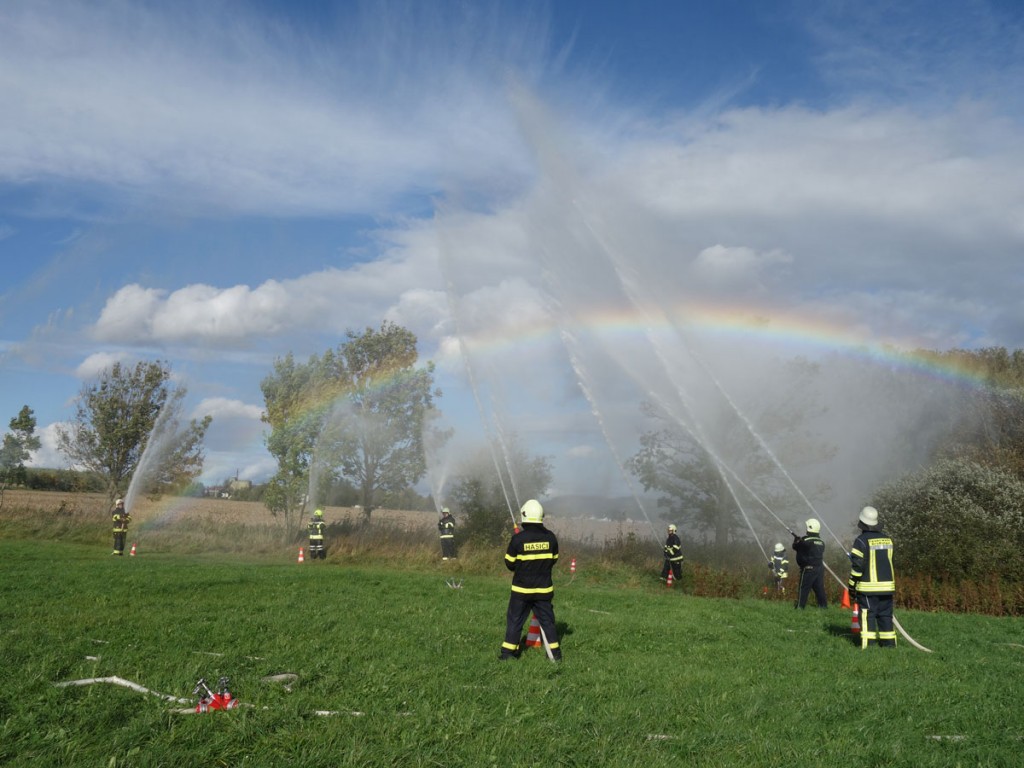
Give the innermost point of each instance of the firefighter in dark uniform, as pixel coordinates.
(316, 529)
(446, 531)
(531, 554)
(121, 519)
(872, 581)
(779, 566)
(810, 558)
(673, 555)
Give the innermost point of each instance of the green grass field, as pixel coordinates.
(407, 669)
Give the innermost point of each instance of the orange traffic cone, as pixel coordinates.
(855, 621)
(132, 553)
(302, 555)
(668, 581)
(572, 566)
(533, 639)
(844, 602)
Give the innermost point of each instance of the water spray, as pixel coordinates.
(582, 381)
(471, 376)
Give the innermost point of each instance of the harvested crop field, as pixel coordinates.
(185, 512)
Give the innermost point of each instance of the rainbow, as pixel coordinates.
(804, 333)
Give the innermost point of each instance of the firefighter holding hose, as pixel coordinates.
(810, 557)
(779, 567)
(121, 519)
(531, 555)
(316, 528)
(673, 550)
(446, 532)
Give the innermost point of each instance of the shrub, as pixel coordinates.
(956, 521)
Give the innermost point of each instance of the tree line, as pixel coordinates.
(351, 425)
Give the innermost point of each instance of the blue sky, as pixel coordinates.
(217, 184)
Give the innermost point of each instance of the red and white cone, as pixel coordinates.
(533, 639)
(132, 553)
(302, 555)
(668, 581)
(572, 566)
(855, 620)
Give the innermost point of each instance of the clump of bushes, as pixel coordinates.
(956, 521)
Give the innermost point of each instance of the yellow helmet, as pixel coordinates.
(318, 513)
(672, 528)
(532, 512)
(813, 526)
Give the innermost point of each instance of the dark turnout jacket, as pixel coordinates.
(810, 551)
(531, 555)
(871, 568)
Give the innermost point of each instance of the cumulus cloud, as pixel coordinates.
(48, 455)
(98, 362)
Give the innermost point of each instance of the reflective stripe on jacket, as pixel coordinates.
(780, 566)
(531, 555)
(673, 549)
(871, 568)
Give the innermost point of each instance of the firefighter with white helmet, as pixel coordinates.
(673, 550)
(810, 558)
(121, 519)
(778, 564)
(872, 581)
(446, 532)
(531, 554)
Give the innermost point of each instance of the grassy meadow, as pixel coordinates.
(393, 667)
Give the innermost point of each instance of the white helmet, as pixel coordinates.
(813, 526)
(672, 528)
(779, 547)
(444, 510)
(119, 502)
(869, 516)
(532, 512)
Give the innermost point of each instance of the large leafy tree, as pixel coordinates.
(355, 414)
(124, 412)
(483, 490)
(17, 448)
(990, 428)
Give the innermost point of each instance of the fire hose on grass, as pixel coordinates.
(895, 623)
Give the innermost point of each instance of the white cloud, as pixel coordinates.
(225, 408)
(220, 109)
(48, 455)
(97, 363)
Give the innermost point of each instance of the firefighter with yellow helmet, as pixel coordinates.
(872, 581)
(673, 550)
(531, 554)
(810, 558)
(316, 528)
